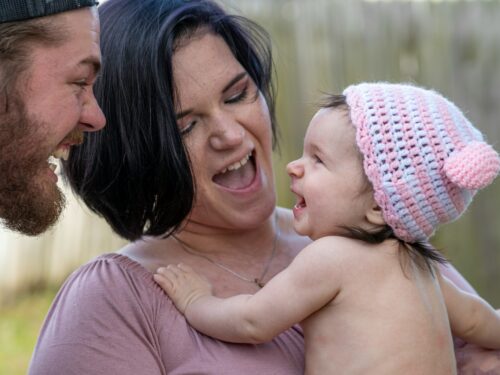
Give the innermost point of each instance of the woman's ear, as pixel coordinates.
(374, 215)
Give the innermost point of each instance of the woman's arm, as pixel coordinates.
(101, 322)
(471, 359)
(471, 317)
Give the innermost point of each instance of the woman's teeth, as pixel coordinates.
(237, 165)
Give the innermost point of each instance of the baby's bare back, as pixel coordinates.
(382, 321)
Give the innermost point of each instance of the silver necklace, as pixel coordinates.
(257, 280)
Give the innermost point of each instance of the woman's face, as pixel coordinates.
(227, 131)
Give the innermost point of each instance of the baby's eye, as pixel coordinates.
(317, 159)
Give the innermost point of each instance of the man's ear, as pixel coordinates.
(374, 215)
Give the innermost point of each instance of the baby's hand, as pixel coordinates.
(182, 284)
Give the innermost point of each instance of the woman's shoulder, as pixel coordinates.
(148, 252)
(114, 278)
(112, 264)
(108, 311)
(111, 289)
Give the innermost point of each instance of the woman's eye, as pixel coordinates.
(238, 97)
(187, 127)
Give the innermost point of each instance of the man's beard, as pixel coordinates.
(30, 202)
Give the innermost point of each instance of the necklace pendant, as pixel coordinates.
(259, 283)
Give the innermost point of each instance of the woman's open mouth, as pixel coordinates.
(239, 175)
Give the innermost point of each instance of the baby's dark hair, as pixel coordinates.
(421, 252)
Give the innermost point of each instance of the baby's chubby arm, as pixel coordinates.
(471, 317)
(302, 288)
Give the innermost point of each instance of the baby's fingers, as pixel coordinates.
(168, 277)
(164, 279)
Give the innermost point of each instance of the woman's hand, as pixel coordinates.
(474, 360)
(471, 359)
(182, 284)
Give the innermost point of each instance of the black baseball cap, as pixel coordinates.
(19, 10)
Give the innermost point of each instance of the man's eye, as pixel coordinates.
(81, 84)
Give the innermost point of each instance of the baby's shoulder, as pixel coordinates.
(344, 250)
(339, 244)
(335, 248)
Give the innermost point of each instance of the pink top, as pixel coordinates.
(110, 317)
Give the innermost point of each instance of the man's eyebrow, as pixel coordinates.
(93, 62)
(239, 77)
(236, 79)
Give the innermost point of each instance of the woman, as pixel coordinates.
(188, 96)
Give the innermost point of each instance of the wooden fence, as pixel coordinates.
(322, 46)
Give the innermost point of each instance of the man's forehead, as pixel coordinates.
(15, 10)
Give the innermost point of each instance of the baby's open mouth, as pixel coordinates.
(238, 175)
(301, 202)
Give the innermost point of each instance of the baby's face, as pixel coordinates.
(328, 180)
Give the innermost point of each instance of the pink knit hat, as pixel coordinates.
(424, 159)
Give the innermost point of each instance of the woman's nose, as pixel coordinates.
(228, 133)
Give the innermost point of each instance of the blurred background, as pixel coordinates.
(319, 46)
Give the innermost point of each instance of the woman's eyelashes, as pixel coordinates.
(186, 128)
(239, 97)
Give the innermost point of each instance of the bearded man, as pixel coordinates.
(49, 59)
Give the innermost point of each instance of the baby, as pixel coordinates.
(383, 165)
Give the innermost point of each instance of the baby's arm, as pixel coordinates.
(471, 317)
(292, 295)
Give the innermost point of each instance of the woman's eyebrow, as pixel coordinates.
(239, 77)
(180, 115)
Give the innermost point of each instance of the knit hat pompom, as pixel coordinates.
(423, 157)
(474, 167)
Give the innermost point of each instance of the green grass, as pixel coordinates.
(19, 327)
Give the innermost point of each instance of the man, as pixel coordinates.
(49, 59)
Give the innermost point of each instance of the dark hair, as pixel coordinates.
(16, 42)
(421, 252)
(135, 172)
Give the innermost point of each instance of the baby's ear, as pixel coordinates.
(374, 215)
